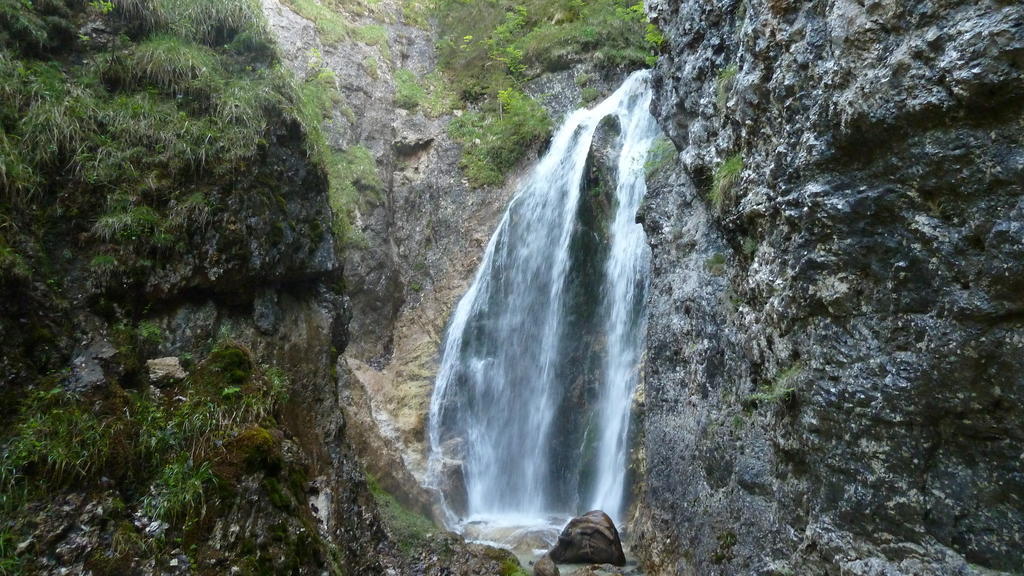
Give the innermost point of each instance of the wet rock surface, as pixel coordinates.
(589, 538)
(834, 374)
(545, 567)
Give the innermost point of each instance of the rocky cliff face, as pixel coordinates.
(836, 343)
(420, 238)
(171, 396)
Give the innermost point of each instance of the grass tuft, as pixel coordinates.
(408, 91)
(410, 530)
(180, 493)
(167, 62)
(58, 441)
(780, 391)
(331, 26)
(211, 23)
(723, 83)
(726, 176)
(661, 155)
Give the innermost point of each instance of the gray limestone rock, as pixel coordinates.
(164, 371)
(835, 367)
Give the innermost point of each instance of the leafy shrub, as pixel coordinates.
(494, 142)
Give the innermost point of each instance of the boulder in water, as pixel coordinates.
(545, 567)
(591, 538)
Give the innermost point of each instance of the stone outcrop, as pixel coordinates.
(590, 538)
(165, 370)
(836, 341)
(545, 567)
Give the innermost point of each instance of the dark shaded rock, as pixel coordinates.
(453, 485)
(545, 567)
(589, 538)
(91, 364)
(834, 371)
(266, 314)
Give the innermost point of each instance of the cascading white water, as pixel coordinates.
(626, 277)
(502, 391)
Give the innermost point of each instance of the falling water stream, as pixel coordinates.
(541, 357)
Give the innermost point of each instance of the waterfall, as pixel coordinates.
(541, 356)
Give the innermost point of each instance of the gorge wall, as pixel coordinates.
(835, 366)
(175, 305)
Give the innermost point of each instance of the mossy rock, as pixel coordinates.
(233, 363)
(253, 450)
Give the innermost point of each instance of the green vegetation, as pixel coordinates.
(150, 332)
(724, 553)
(417, 13)
(176, 455)
(661, 155)
(726, 175)
(495, 137)
(780, 391)
(410, 530)
(723, 83)
(716, 264)
(332, 25)
(374, 35)
(353, 181)
(590, 95)
(10, 564)
(489, 48)
(352, 173)
(750, 246)
(408, 92)
(57, 441)
(511, 567)
(429, 94)
(180, 492)
(136, 144)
